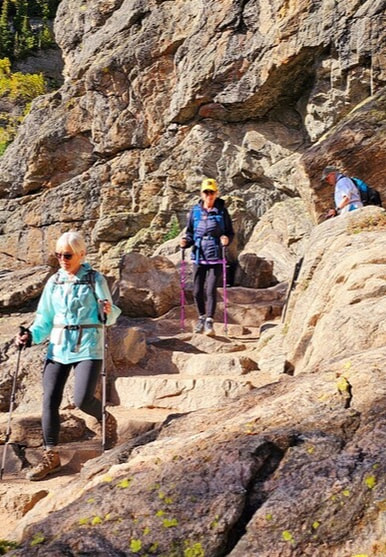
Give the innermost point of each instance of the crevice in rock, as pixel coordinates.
(148, 437)
(289, 368)
(237, 23)
(345, 391)
(268, 457)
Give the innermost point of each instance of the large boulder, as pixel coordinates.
(278, 239)
(344, 261)
(19, 288)
(149, 286)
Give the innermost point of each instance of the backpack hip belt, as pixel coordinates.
(78, 328)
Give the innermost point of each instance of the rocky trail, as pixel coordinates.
(179, 372)
(268, 441)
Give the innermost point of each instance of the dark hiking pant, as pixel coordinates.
(212, 274)
(55, 376)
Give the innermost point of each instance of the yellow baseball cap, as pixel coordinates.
(209, 184)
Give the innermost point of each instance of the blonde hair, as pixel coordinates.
(74, 240)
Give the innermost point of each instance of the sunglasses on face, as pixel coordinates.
(208, 192)
(66, 256)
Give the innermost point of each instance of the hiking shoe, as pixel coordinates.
(200, 325)
(50, 463)
(111, 436)
(208, 329)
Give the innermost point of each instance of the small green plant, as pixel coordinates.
(194, 550)
(169, 522)
(124, 484)
(37, 539)
(6, 545)
(135, 546)
(174, 230)
(287, 536)
(370, 481)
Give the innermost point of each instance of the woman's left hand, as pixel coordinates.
(106, 306)
(224, 240)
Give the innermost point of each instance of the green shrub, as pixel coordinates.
(21, 89)
(6, 545)
(18, 86)
(174, 230)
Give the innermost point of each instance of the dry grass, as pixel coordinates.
(368, 223)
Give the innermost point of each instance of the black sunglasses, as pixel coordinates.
(66, 256)
(208, 192)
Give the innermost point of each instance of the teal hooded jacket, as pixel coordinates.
(72, 303)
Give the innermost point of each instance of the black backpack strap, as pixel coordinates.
(89, 279)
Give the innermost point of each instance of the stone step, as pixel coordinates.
(72, 455)
(26, 434)
(246, 307)
(182, 393)
(203, 365)
(14, 459)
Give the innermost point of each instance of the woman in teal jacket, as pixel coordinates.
(68, 314)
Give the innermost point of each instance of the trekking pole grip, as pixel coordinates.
(24, 331)
(101, 311)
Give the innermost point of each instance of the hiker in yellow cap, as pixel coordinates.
(209, 228)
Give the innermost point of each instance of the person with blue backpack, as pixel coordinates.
(209, 231)
(347, 196)
(69, 315)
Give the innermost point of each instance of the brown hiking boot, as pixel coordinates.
(50, 463)
(111, 436)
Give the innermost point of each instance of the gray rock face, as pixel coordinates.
(156, 95)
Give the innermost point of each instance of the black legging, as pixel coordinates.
(212, 274)
(55, 376)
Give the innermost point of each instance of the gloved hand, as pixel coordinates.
(24, 337)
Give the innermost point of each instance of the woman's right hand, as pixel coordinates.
(23, 338)
(183, 243)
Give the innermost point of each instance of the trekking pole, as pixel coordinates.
(11, 404)
(182, 290)
(103, 318)
(291, 286)
(224, 287)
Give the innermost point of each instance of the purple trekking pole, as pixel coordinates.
(182, 290)
(224, 286)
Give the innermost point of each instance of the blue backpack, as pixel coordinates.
(207, 232)
(369, 196)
